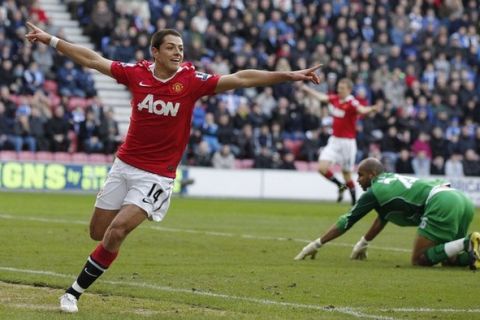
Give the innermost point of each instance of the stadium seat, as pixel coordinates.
(247, 163)
(302, 166)
(74, 102)
(98, 158)
(55, 100)
(45, 156)
(63, 157)
(15, 99)
(110, 158)
(8, 155)
(293, 145)
(80, 157)
(73, 141)
(26, 156)
(313, 166)
(238, 164)
(50, 86)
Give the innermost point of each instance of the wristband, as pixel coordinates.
(53, 42)
(363, 241)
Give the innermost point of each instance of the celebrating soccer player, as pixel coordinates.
(341, 147)
(139, 185)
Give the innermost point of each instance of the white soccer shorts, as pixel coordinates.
(341, 151)
(129, 185)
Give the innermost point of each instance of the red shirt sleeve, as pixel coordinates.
(204, 84)
(120, 71)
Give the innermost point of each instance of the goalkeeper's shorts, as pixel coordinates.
(447, 216)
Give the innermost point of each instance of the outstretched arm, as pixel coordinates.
(81, 55)
(322, 97)
(261, 78)
(367, 109)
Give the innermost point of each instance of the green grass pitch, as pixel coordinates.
(220, 259)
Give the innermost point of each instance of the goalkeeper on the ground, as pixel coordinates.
(442, 215)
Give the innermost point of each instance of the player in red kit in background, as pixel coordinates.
(139, 184)
(341, 147)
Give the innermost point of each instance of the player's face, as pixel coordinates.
(364, 178)
(170, 54)
(343, 89)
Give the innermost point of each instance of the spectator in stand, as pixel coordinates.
(202, 155)
(86, 83)
(33, 79)
(223, 158)
(110, 132)
(246, 143)
(57, 131)
(44, 59)
(89, 134)
(437, 167)
(266, 101)
(22, 135)
(288, 162)
(101, 22)
(421, 164)
(6, 129)
(264, 159)
(454, 166)
(8, 77)
(37, 129)
(471, 163)
(389, 145)
(438, 144)
(311, 145)
(263, 139)
(5, 98)
(421, 144)
(404, 163)
(465, 140)
(68, 79)
(209, 132)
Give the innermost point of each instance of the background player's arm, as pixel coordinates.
(322, 97)
(261, 78)
(366, 109)
(81, 55)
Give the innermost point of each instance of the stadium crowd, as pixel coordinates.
(417, 60)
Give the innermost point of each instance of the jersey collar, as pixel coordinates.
(152, 68)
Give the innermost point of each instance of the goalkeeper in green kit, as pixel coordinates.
(442, 215)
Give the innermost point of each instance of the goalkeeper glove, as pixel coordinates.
(359, 251)
(309, 250)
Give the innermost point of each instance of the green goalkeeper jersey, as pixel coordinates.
(396, 198)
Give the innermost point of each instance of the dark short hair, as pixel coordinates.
(372, 165)
(159, 36)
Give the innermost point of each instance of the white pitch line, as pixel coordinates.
(209, 233)
(445, 310)
(344, 310)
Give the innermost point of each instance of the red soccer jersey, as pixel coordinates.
(344, 116)
(161, 114)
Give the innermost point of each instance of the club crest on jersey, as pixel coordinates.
(177, 87)
(202, 76)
